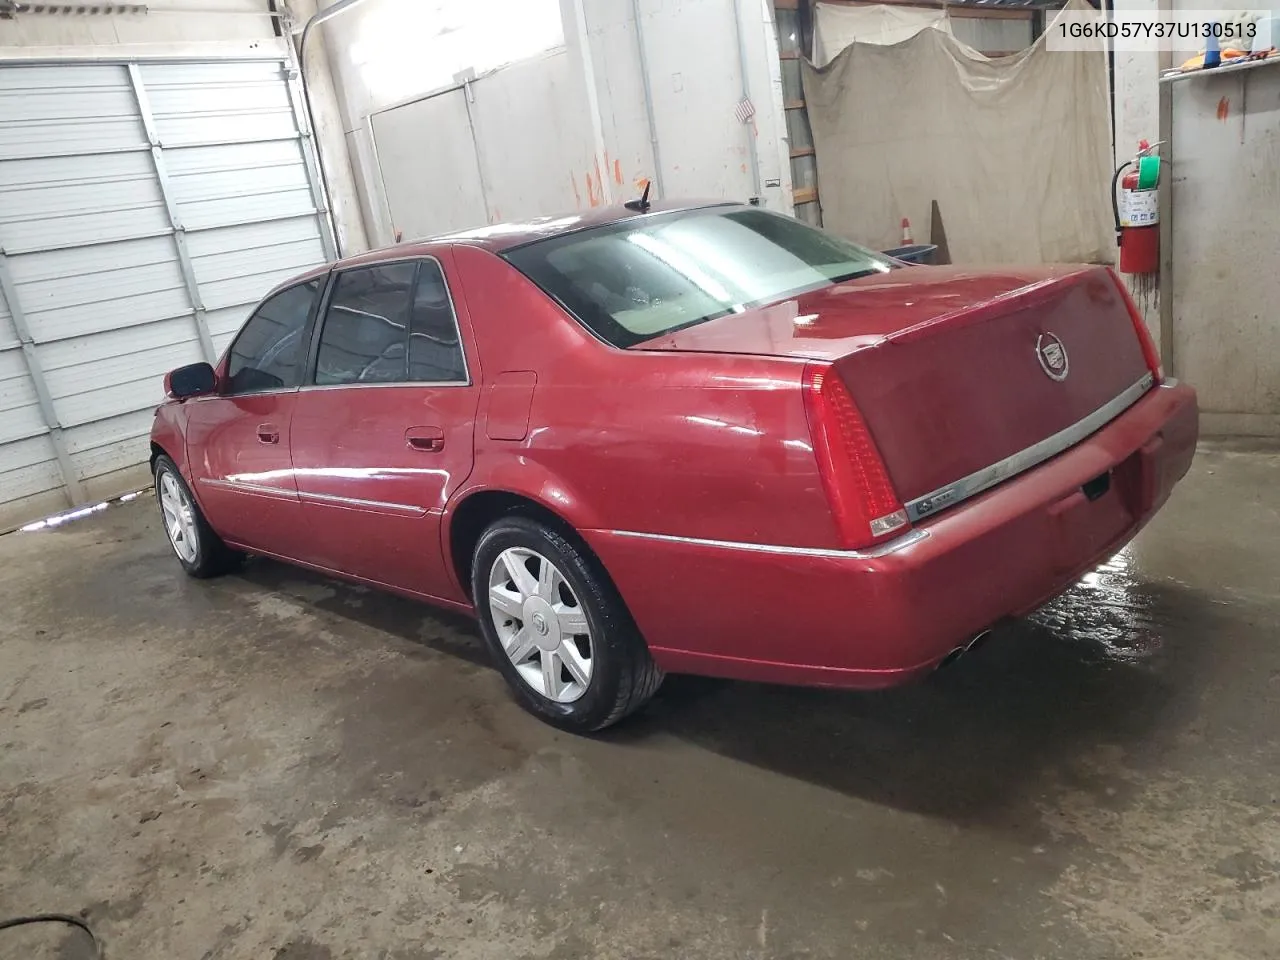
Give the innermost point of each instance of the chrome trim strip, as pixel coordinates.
(402, 384)
(891, 546)
(251, 488)
(327, 498)
(1023, 460)
(271, 392)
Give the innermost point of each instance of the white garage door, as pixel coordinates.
(144, 208)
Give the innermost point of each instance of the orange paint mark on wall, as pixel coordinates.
(1224, 108)
(617, 172)
(577, 195)
(743, 166)
(593, 195)
(640, 182)
(599, 179)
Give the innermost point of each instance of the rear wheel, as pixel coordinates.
(200, 551)
(557, 629)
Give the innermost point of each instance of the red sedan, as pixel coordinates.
(680, 439)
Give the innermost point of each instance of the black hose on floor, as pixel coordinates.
(56, 918)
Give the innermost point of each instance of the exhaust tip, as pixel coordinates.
(976, 641)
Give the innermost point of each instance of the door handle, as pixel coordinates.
(268, 433)
(427, 439)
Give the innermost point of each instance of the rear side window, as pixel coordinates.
(435, 350)
(366, 326)
(639, 278)
(269, 352)
(390, 324)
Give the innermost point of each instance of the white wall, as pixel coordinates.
(695, 76)
(344, 201)
(566, 126)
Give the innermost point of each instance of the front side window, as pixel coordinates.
(390, 324)
(638, 279)
(269, 352)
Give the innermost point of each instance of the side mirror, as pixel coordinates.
(193, 380)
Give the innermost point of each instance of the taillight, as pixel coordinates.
(863, 501)
(1149, 352)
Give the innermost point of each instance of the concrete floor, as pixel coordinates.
(278, 766)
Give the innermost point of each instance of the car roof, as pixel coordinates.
(499, 237)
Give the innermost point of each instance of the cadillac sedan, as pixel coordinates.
(697, 439)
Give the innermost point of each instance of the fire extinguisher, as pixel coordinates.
(1137, 215)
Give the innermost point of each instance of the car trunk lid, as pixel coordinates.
(954, 372)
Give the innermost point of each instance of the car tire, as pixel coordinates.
(200, 551)
(567, 626)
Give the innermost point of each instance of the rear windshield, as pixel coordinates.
(640, 278)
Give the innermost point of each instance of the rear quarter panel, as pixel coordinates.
(695, 445)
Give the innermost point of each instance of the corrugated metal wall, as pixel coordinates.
(144, 208)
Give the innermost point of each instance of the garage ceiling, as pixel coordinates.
(144, 208)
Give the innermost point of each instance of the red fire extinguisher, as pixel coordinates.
(1137, 214)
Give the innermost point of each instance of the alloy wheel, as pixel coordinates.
(541, 624)
(179, 517)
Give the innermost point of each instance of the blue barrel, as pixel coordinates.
(913, 253)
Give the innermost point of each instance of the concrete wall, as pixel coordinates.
(1137, 117)
(1137, 101)
(1226, 237)
(565, 125)
(1223, 173)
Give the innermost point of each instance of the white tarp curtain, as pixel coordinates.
(836, 26)
(1016, 151)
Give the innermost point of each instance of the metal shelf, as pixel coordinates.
(1219, 71)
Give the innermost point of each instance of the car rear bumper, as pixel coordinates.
(873, 619)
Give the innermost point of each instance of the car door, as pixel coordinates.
(383, 431)
(238, 439)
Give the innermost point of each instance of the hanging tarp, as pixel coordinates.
(836, 26)
(1015, 151)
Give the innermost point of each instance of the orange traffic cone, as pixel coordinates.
(906, 233)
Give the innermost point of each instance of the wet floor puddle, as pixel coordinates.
(1111, 611)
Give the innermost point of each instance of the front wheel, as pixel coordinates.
(200, 551)
(557, 629)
